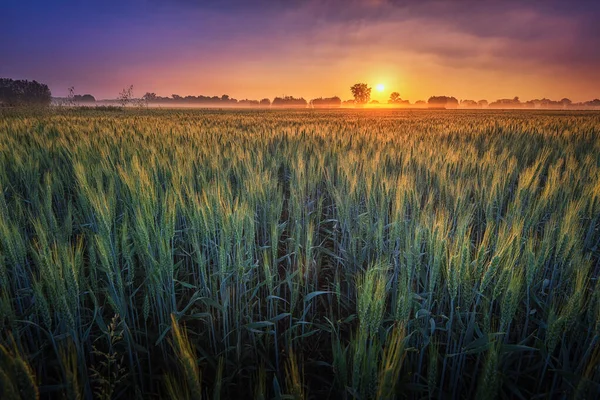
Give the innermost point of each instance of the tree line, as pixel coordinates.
(23, 92)
(362, 95)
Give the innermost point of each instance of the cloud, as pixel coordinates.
(509, 32)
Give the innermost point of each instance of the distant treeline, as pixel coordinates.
(452, 102)
(289, 101)
(86, 98)
(23, 92)
(225, 100)
(542, 103)
(209, 100)
(326, 102)
(394, 101)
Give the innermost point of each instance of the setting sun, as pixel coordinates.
(380, 87)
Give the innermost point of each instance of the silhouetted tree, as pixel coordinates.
(70, 100)
(326, 102)
(468, 103)
(73, 99)
(225, 99)
(265, 102)
(86, 98)
(442, 101)
(149, 97)
(566, 102)
(482, 103)
(289, 101)
(361, 93)
(126, 95)
(543, 103)
(23, 92)
(507, 103)
(395, 99)
(248, 103)
(593, 103)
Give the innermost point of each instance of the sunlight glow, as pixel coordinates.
(380, 87)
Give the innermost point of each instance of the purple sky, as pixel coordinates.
(254, 49)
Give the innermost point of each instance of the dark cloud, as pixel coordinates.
(557, 32)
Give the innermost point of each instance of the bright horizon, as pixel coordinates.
(469, 50)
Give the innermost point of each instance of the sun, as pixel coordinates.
(380, 87)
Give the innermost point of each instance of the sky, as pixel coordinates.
(469, 49)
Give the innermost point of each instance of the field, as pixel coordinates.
(299, 254)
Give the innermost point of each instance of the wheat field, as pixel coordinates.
(344, 254)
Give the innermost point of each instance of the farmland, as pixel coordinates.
(299, 254)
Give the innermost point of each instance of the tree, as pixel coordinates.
(70, 100)
(23, 92)
(289, 101)
(361, 93)
(73, 99)
(326, 102)
(86, 98)
(248, 103)
(482, 103)
(125, 96)
(468, 103)
(148, 97)
(566, 102)
(394, 97)
(442, 101)
(265, 102)
(507, 103)
(592, 103)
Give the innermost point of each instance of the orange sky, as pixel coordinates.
(254, 49)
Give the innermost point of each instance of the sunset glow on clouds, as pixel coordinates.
(468, 49)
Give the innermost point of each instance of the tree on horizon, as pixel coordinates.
(149, 96)
(126, 95)
(396, 99)
(289, 101)
(468, 103)
(24, 92)
(326, 102)
(361, 93)
(443, 101)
